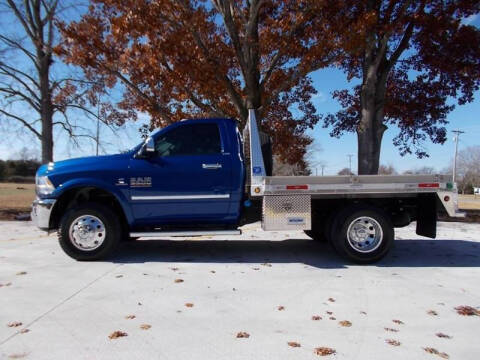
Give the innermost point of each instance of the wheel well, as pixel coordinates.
(400, 210)
(77, 196)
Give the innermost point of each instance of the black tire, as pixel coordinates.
(343, 246)
(112, 227)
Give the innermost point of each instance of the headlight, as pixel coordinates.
(43, 185)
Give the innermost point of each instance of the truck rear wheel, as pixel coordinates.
(89, 232)
(362, 234)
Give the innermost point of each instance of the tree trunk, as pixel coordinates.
(371, 128)
(46, 107)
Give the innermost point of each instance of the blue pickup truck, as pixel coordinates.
(192, 178)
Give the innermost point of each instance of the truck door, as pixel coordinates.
(187, 181)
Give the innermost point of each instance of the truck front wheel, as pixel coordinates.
(89, 232)
(362, 234)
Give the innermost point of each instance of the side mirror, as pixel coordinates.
(147, 150)
(150, 146)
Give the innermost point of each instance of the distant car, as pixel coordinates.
(476, 191)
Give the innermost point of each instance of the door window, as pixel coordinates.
(191, 139)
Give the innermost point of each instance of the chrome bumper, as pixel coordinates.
(41, 210)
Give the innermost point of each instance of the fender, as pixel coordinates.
(97, 183)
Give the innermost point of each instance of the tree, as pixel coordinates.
(345, 171)
(386, 170)
(468, 169)
(28, 84)
(424, 170)
(190, 58)
(411, 57)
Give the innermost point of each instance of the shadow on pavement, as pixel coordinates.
(406, 253)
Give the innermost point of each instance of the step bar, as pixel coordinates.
(156, 234)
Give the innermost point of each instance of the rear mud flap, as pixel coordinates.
(427, 215)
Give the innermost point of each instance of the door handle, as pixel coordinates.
(211, 166)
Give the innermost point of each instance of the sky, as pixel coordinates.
(333, 151)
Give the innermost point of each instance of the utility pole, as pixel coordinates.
(350, 162)
(323, 167)
(456, 137)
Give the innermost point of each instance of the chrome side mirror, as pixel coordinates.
(150, 146)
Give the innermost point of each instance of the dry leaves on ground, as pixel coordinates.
(324, 351)
(145, 326)
(243, 335)
(130, 317)
(267, 264)
(24, 331)
(189, 305)
(213, 271)
(442, 335)
(393, 342)
(436, 352)
(329, 312)
(255, 268)
(331, 299)
(363, 313)
(390, 329)
(293, 344)
(432, 312)
(119, 276)
(15, 324)
(466, 310)
(281, 308)
(178, 281)
(316, 317)
(332, 318)
(22, 273)
(117, 334)
(345, 323)
(399, 322)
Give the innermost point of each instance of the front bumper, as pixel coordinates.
(41, 210)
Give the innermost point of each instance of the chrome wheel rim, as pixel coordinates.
(365, 234)
(87, 233)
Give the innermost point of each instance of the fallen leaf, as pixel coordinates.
(363, 313)
(256, 268)
(390, 329)
(329, 312)
(293, 344)
(442, 335)
(145, 326)
(436, 352)
(119, 276)
(178, 280)
(213, 271)
(130, 317)
(267, 264)
(281, 308)
(24, 331)
(174, 268)
(15, 324)
(331, 299)
(17, 356)
(22, 273)
(467, 310)
(345, 323)
(432, 312)
(316, 317)
(189, 305)
(324, 351)
(243, 334)
(393, 342)
(117, 334)
(332, 318)
(399, 322)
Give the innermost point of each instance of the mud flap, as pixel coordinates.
(427, 215)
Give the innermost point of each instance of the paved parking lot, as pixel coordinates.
(190, 299)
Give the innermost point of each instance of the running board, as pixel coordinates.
(184, 233)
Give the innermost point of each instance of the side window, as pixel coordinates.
(192, 139)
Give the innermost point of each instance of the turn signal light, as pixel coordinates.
(256, 190)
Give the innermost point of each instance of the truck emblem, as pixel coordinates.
(257, 170)
(121, 181)
(141, 182)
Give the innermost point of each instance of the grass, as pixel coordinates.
(16, 196)
(469, 202)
